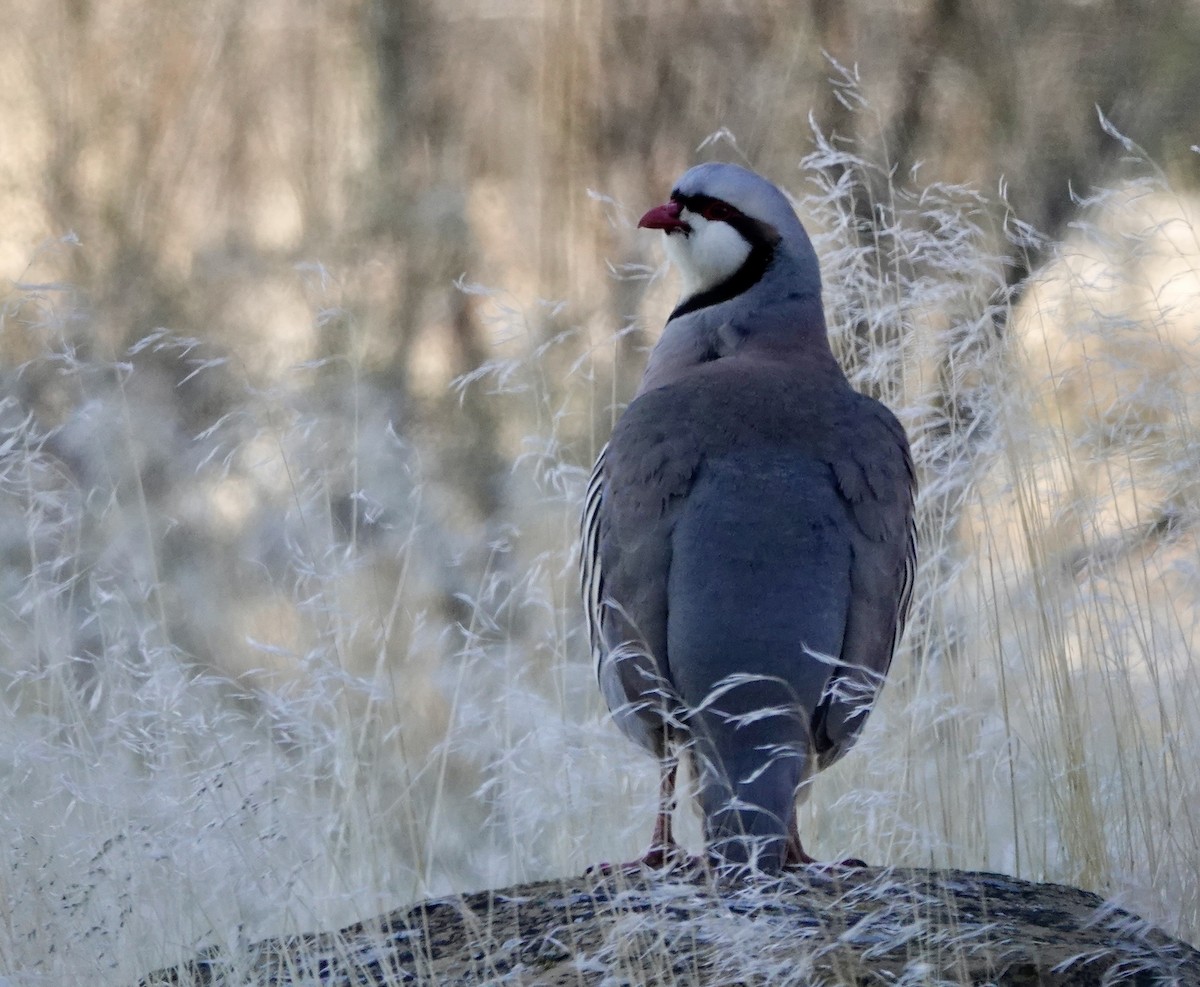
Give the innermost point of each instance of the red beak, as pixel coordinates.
(665, 218)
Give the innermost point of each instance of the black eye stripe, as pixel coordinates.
(698, 203)
(755, 232)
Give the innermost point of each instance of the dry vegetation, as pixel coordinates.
(312, 317)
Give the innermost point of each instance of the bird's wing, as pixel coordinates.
(649, 467)
(876, 481)
(640, 478)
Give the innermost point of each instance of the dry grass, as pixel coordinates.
(359, 747)
(284, 647)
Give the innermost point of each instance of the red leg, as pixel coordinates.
(664, 852)
(796, 855)
(663, 848)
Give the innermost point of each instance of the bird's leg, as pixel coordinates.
(795, 856)
(663, 848)
(664, 852)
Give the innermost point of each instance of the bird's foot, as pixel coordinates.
(670, 857)
(796, 857)
(660, 857)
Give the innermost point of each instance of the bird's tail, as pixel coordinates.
(749, 776)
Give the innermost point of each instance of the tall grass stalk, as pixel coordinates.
(263, 671)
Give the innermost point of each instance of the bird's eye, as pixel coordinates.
(718, 210)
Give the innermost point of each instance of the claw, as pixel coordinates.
(659, 857)
(664, 853)
(796, 856)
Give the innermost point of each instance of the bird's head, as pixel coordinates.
(724, 226)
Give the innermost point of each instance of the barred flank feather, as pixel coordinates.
(591, 579)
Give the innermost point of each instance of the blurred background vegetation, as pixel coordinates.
(314, 314)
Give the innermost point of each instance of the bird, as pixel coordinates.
(748, 542)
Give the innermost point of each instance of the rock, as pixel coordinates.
(818, 926)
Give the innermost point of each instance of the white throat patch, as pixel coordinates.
(710, 254)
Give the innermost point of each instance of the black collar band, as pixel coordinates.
(743, 279)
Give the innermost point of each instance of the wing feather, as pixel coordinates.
(591, 576)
